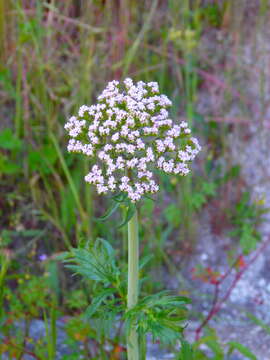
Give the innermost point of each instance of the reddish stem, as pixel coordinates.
(28, 352)
(217, 302)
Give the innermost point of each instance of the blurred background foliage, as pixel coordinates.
(58, 55)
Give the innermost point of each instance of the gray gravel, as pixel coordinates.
(249, 146)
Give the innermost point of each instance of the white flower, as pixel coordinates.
(129, 134)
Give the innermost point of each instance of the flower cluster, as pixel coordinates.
(129, 134)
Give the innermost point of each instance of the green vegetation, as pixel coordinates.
(55, 56)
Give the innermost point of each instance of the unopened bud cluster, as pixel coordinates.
(129, 135)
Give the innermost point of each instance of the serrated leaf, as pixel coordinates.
(108, 247)
(91, 309)
(160, 314)
(96, 263)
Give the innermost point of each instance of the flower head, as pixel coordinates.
(129, 134)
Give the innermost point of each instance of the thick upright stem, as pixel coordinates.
(133, 282)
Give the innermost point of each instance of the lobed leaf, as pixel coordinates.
(91, 309)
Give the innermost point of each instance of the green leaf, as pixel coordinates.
(147, 208)
(96, 263)
(149, 198)
(233, 172)
(216, 348)
(248, 240)
(6, 81)
(63, 256)
(53, 278)
(186, 352)
(198, 200)
(8, 167)
(91, 309)
(120, 197)
(259, 322)
(209, 188)
(67, 203)
(172, 215)
(109, 249)
(242, 349)
(5, 238)
(9, 141)
(160, 314)
(114, 206)
(30, 232)
(77, 299)
(212, 342)
(129, 214)
(145, 260)
(42, 160)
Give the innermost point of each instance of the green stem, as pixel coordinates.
(3, 272)
(133, 282)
